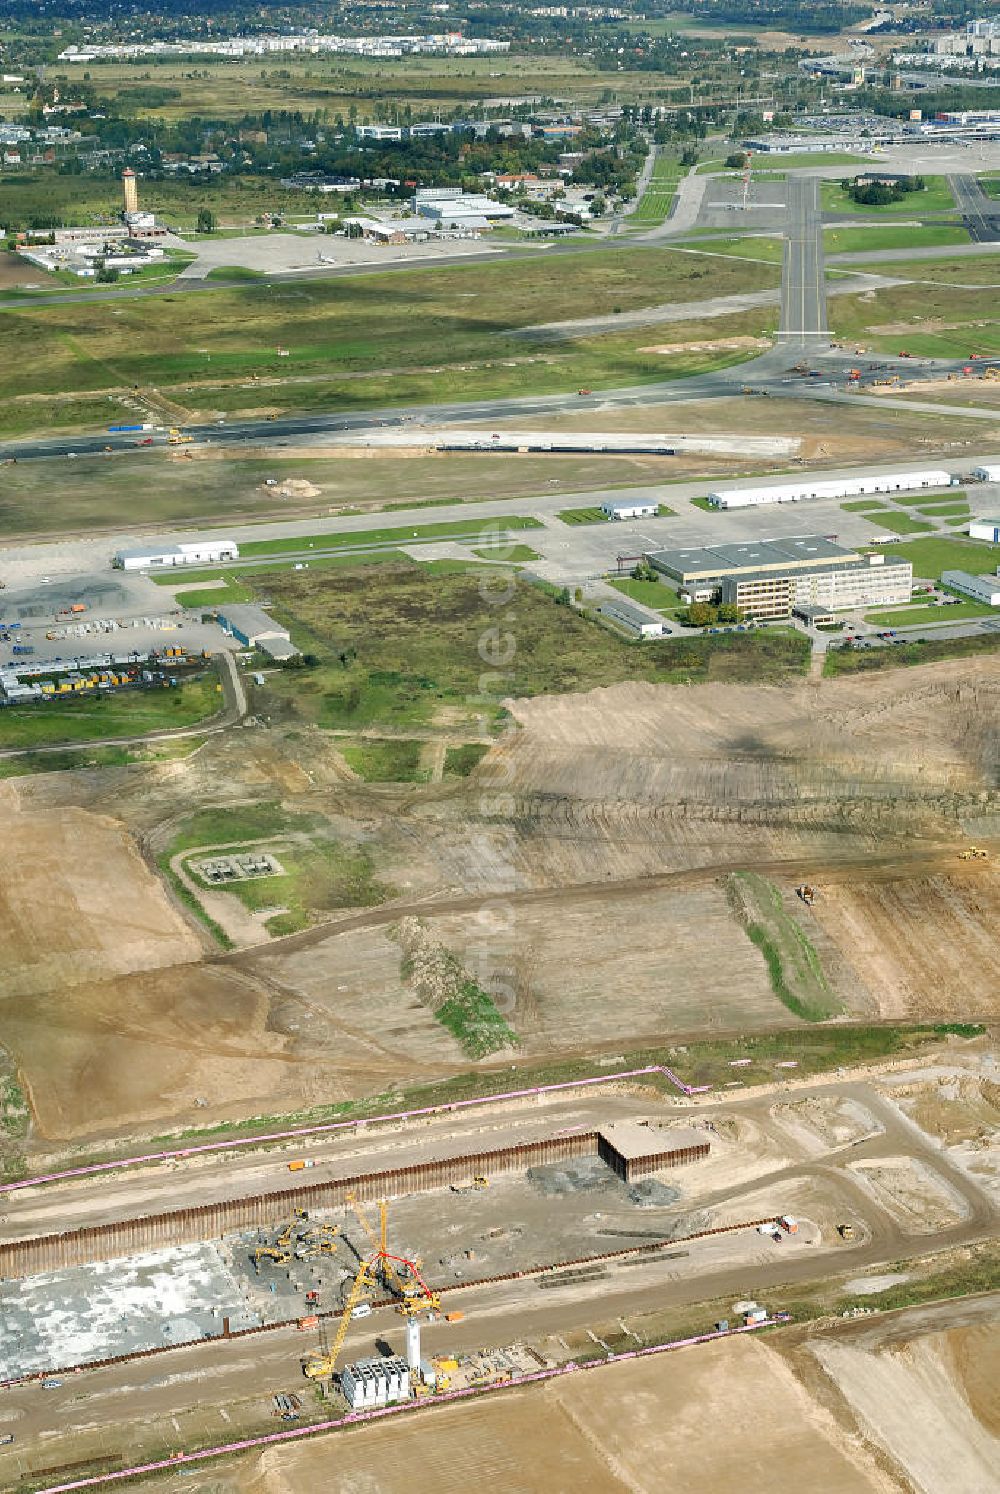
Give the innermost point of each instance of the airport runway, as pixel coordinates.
(980, 214)
(803, 286)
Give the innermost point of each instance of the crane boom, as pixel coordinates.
(378, 1242)
(321, 1366)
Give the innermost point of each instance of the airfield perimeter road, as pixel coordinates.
(981, 214)
(803, 283)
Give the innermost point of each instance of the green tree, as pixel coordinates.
(206, 220)
(702, 614)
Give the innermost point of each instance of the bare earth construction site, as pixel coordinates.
(812, 1130)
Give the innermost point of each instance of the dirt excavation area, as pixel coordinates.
(582, 878)
(632, 1427)
(924, 1392)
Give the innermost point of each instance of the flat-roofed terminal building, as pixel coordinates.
(770, 578)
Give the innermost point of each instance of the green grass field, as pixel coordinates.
(903, 617)
(914, 500)
(461, 761)
(430, 333)
(655, 202)
(574, 516)
(655, 594)
(941, 510)
(485, 530)
(133, 712)
(936, 320)
(866, 240)
(901, 523)
(864, 506)
(935, 198)
(962, 270)
(402, 647)
(929, 557)
(764, 248)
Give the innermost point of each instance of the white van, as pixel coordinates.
(363, 1310)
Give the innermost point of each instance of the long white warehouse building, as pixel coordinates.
(206, 552)
(836, 487)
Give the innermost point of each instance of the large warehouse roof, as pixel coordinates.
(715, 560)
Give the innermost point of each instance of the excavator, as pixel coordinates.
(974, 853)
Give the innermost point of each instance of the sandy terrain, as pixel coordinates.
(930, 1403)
(916, 1196)
(77, 901)
(626, 808)
(634, 1427)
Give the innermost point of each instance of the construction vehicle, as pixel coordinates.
(853, 375)
(974, 853)
(322, 1366)
(270, 1253)
(807, 893)
(845, 1231)
(478, 1185)
(179, 440)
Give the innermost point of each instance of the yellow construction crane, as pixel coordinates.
(322, 1366)
(378, 1242)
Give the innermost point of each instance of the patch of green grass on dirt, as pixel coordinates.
(29, 763)
(864, 506)
(797, 976)
(471, 1016)
(461, 761)
(386, 761)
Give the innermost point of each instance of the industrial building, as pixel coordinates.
(987, 473)
(205, 552)
(375, 1382)
(769, 579)
(452, 207)
(629, 508)
(634, 1150)
(255, 628)
(837, 487)
(985, 529)
(980, 588)
(640, 621)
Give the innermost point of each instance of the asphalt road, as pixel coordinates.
(980, 214)
(803, 285)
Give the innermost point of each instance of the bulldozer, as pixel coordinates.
(974, 853)
(807, 893)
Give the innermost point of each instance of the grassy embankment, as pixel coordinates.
(862, 661)
(812, 1049)
(358, 344)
